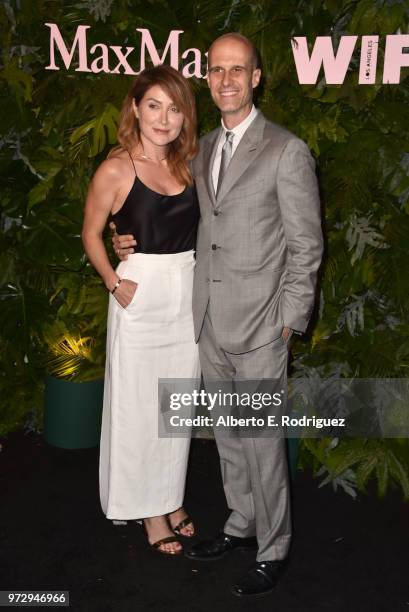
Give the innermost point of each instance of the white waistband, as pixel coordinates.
(168, 259)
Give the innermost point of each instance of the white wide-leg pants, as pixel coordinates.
(142, 475)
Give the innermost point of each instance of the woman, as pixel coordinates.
(146, 187)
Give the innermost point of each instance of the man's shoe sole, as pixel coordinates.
(282, 571)
(243, 596)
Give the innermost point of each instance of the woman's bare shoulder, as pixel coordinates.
(115, 167)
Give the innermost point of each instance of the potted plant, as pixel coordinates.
(75, 362)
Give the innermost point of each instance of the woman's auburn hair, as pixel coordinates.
(185, 146)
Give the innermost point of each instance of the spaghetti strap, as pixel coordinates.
(130, 156)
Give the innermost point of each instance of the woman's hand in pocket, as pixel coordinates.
(125, 292)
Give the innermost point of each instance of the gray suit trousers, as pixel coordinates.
(254, 470)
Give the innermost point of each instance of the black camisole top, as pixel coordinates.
(160, 224)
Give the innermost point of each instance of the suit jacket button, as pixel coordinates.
(214, 247)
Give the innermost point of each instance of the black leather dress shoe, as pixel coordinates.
(260, 580)
(220, 546)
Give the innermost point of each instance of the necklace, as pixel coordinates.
(142, 156)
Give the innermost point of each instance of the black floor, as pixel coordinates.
(346, 556)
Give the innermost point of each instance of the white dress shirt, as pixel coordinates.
(238, 132)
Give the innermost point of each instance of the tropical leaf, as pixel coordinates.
(360, 234)
(18, 80)
(352, 314)
(95, 134)
(72, 359)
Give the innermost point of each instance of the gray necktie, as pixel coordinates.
(226, 157)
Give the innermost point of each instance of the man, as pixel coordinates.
(258, 250)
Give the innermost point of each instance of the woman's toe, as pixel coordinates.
(188, 531)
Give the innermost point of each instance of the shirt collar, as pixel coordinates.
(242, 127)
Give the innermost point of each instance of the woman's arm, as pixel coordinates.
(102, 193)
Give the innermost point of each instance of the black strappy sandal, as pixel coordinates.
(167, 540)
(183, 523)
(156, 546)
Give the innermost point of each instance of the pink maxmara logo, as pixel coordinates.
(115, 59)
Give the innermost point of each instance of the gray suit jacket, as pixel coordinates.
(259, 242)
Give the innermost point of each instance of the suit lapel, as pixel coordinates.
(208, 159)
(249, 148)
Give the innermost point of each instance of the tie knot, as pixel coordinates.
(229, 136)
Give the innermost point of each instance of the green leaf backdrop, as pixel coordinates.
(57, 126)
